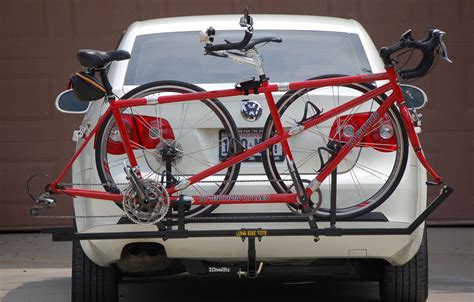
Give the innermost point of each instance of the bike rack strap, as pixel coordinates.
(68, 234)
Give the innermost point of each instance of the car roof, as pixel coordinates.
(231, 22)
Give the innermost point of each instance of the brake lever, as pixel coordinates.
(406, 36)
(207, 36)
(444, 50)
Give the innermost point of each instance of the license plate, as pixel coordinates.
(249, 137)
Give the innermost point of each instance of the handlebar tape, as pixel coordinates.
(426, 46)
(230, 46)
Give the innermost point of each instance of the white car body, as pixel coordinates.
(401, 208)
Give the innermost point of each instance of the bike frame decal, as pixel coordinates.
(282, 135)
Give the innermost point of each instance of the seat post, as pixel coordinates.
(105, 81)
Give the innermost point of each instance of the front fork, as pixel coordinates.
(410, 128)
(415, 142)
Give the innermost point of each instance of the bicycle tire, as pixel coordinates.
(216, 111)
(365, 203)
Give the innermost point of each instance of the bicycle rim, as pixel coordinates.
(368, 175)
(190, 129)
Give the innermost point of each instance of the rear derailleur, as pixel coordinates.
(44, 202)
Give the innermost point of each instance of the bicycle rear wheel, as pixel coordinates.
(368, 175)
(192, 131)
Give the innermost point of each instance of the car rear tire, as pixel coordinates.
(91, 282)
(408, 282)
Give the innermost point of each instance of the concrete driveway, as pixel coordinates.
(32, 268)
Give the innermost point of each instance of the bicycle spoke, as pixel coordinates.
(195, 185)
(357, 185)
(142, 148)
(121, 161)
(205, 148)
(183, 118)
(202, 161)
(301, 162)
(369, 170)
(201, 121)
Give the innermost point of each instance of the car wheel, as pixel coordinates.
(91, 282)
(408, 282)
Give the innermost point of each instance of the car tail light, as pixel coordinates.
(143, 132)
(381, 136)
(114, 144)
(344, 127)
(150, 129)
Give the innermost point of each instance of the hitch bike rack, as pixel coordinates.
(165, 229)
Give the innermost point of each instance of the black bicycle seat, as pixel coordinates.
(96, 58)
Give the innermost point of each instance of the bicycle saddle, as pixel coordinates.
(95, 58)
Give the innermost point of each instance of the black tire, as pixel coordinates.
(408, 282)
(215, 108)
(91, 282)
(366, 203)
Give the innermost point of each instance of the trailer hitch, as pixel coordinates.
(251, 235)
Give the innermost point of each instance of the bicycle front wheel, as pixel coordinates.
(371, 171)
(182, 138)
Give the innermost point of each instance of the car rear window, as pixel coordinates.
(301, 55)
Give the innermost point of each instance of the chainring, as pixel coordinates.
(142, 212)
(297, 208)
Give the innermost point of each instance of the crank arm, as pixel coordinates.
(298, 184)
(143, 193)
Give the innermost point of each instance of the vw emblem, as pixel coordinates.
(251, 110)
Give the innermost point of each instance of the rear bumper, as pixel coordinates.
(395, 242)
(396, 249)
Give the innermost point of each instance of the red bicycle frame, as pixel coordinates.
(282, 136)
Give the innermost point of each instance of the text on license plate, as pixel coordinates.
(249, 137)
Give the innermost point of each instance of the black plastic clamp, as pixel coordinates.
(181, 206)
(248, 85)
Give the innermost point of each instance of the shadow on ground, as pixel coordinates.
(190, 288)
(229, 290)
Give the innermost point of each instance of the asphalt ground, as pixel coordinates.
(34, 269)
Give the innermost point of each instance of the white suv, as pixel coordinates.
(169, 49)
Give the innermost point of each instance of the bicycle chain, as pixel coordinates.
(238, 217)
(202, 181)
(125, 216)
(78, 216)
